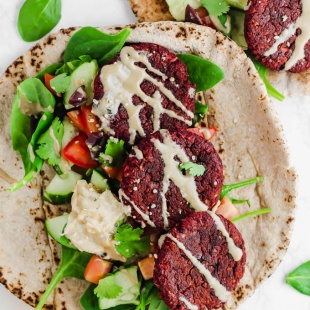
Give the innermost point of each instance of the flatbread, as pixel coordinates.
(249, 140)
(288, 83)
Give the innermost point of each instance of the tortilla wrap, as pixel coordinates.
(249, 140)
(288, 83)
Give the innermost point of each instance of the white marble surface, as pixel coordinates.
(294, 114)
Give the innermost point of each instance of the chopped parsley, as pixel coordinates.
(107, 288)
(60, 83)
(50, 143)
(193, 168)
(130, 242)
(215, 7)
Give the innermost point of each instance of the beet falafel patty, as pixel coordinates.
(161, 193)
(277, 32)
(143, 89)
(199, 262)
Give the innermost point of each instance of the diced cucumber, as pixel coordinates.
(61, 188)
(63, 166)
(127, 280)
(99, 181)
(55, 228)
(84, 75)
(177, 7)
(70, 131)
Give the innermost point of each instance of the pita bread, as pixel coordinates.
(249, 140)
(287, 83)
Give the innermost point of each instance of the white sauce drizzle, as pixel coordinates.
(188, 304)
(302, 22)
(56, 142)
(121, 80)
(219, 290)
(144, 216)
(138, 153)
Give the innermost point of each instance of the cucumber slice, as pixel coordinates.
(61, 188)
(84, 75)
(99, 181)
(70, 131)
(177, 7)
(55, 228)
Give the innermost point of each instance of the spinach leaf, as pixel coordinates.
(73, 264)
(300, 278)
(89, 301)
(262, 71)
(70, 66)
(204, 73)
(37, 18)
(51, 69)
(98, 45)
(32, 97)
(200, 111)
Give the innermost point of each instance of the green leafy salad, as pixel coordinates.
(226, 16)
(52, 122)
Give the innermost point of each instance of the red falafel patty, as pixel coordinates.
(161, 193)
(143, 89)
(277, 33)
(199, 262)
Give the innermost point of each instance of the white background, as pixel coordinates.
(294, 114)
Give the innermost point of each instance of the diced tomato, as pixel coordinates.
(113, 172)
(96, 269)
(227, 209)
(78, 152)
(207, 133)
(85, 119)
(47, 82)
(146, 266)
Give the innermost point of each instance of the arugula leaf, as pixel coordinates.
(262, 71)
(115, 150)
(89, 300)
(250, 214)
(200, 111)
(204, 73)
(215, 8)
(130, 241)
(226, 189)
(107, 288)
(300, 278)
(193, 168)
(72, 264)
(31, 95)
(60, 83)
(98, 45)
(37, 18)
(50, 143)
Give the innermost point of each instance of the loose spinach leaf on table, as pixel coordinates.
(34, 94)
(300, 278)
(204, 73)
(37, 18)
(98, 45)
(73, 264)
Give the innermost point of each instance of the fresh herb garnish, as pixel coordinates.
(215, 8)
(130, 242)
(300, 278)
(95, 43)
(60, 83)
(107, 288)
(73, 264)
(70, 66)
(204, 73)
(193, 168)
(37, 18)
(250, 214)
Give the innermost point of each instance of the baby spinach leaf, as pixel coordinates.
(73, 264)
(300, 278)
(70, 66)
(51, 69)
(89, 300)
(37, 18)
(204, 73)
(93, 42)
(200, 111)
(32, 98)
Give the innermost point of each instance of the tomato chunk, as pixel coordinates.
(227, 209)
(47, 81)
(78, 153)
(146, 266)
(96, 269)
